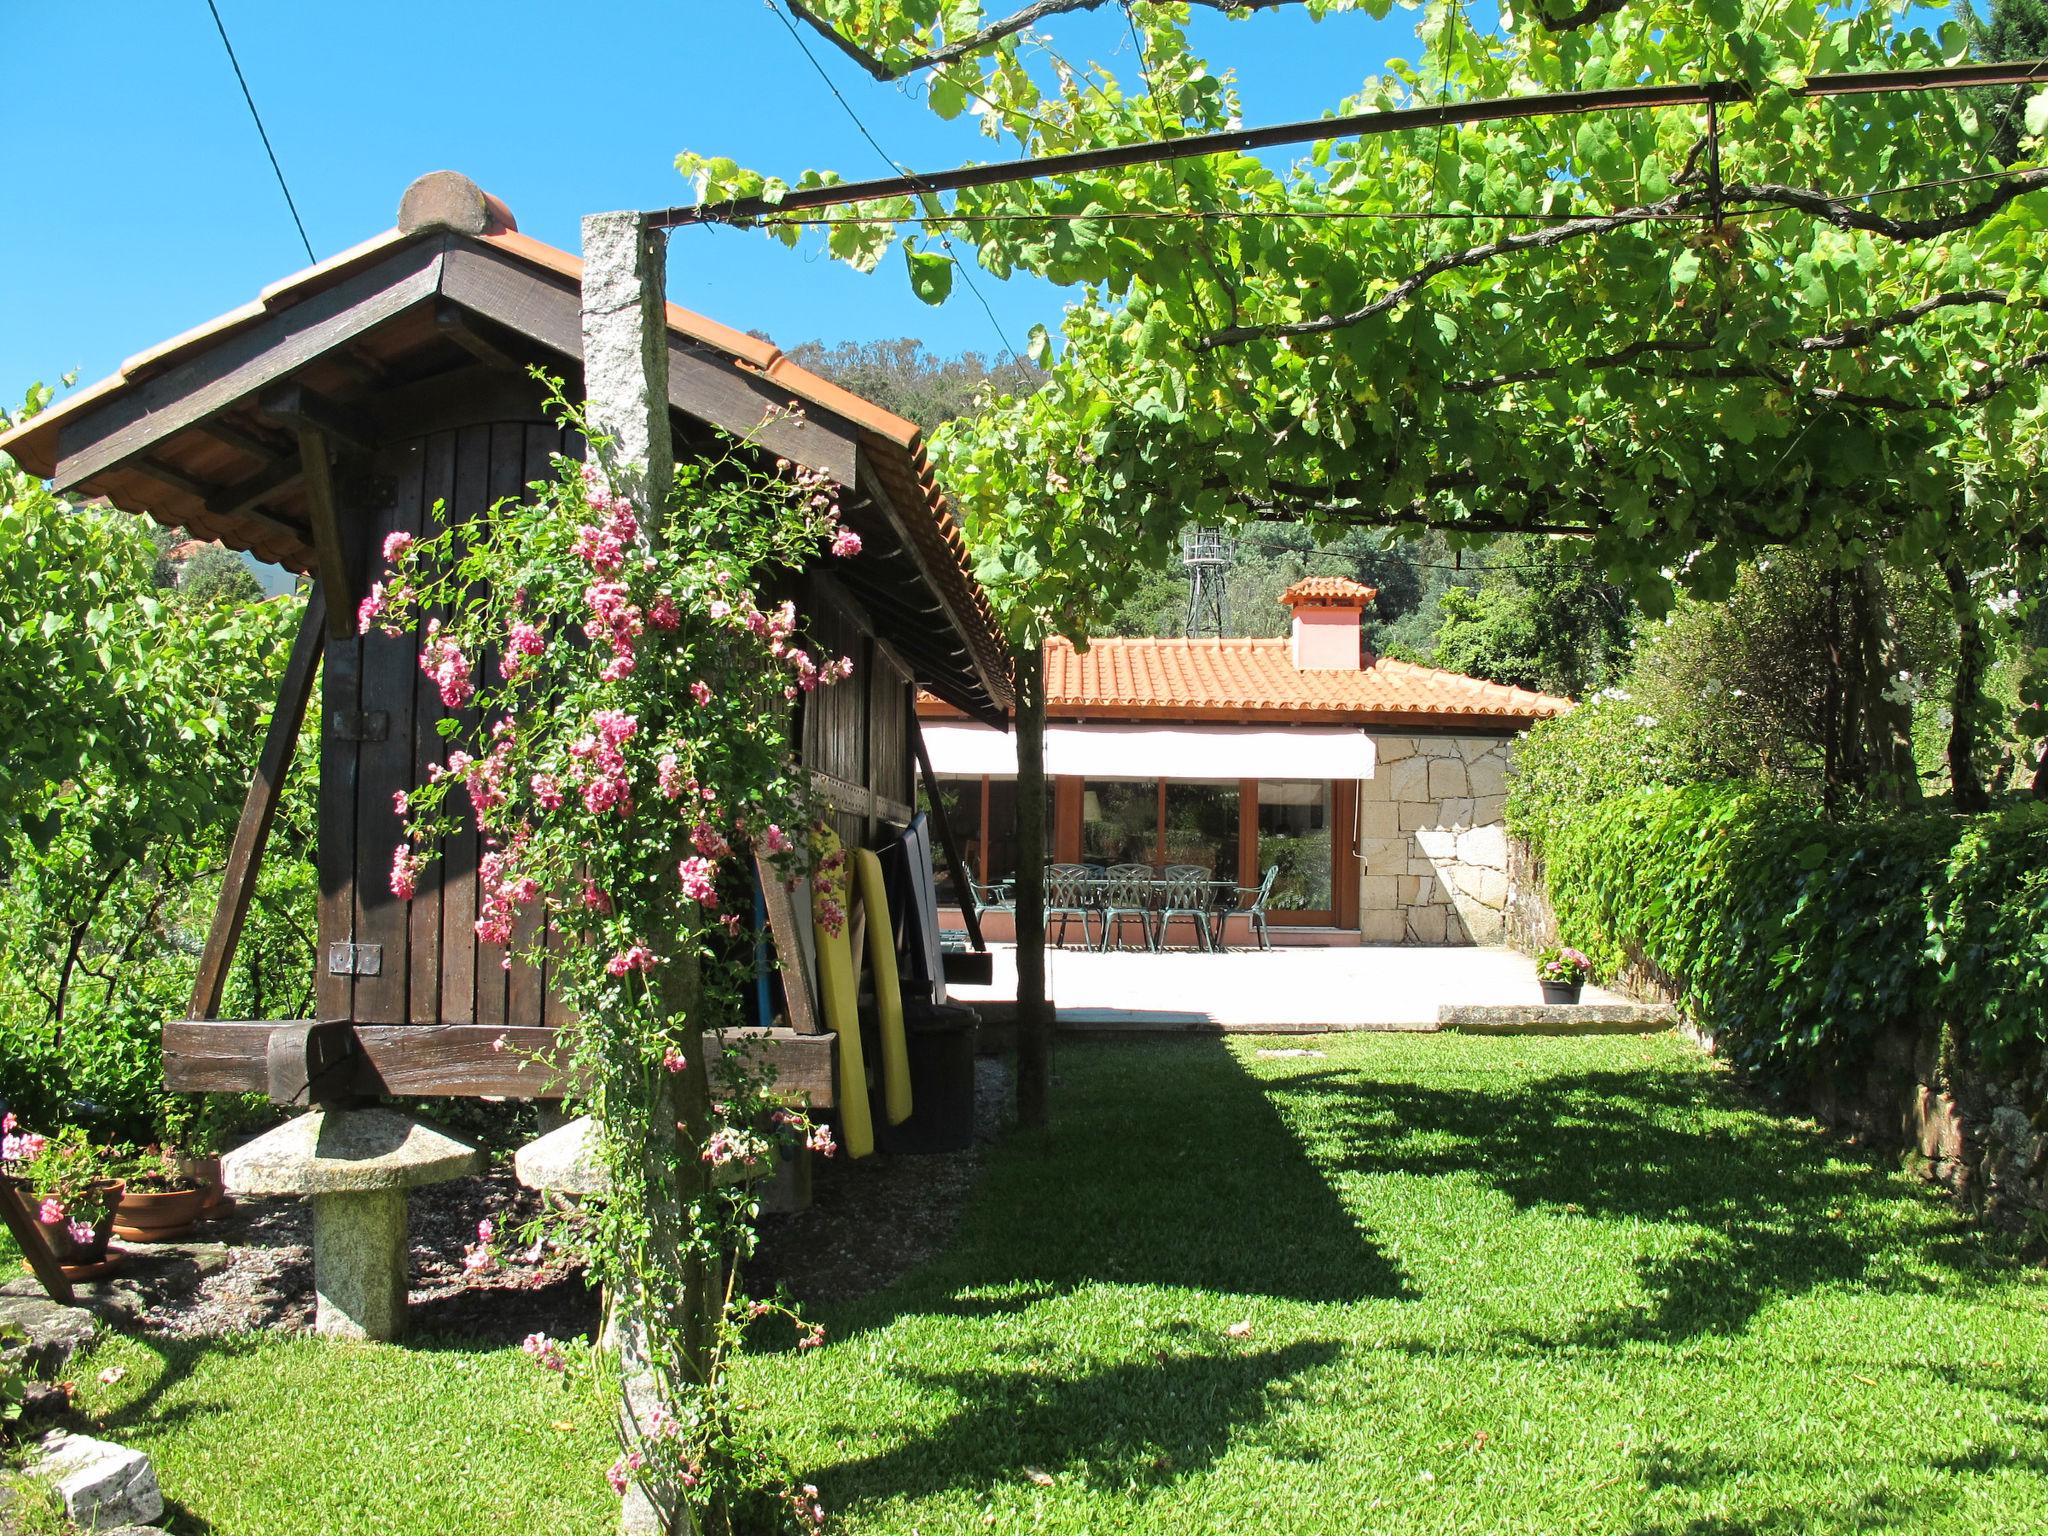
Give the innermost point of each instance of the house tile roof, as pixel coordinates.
(1257, 680)
(1329, 592)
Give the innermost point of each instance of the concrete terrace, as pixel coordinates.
(1281, 991)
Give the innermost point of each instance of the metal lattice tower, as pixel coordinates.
(1206, 552)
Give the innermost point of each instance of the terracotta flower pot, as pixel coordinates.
(158, 1215)
(82, 1261)
(1561, 991)
(205, 1171)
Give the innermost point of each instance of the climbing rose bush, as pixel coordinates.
(624, 688)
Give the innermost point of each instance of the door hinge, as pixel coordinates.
(355, 959)
(359, 725)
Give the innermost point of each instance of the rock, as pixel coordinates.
(1556, 1018)
(55, 1333)
(568, 1161)
(357, 1165)
(102, 1484)
(1447, 779)
(348, 1151)
(1408, 780)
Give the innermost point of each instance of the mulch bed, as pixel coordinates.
(869, 1223)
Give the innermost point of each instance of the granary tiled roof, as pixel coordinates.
(182, 431)
(1329, 592)
(1257, 680)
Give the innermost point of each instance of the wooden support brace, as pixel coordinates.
(259, 810)
(28, 1237)
(336, 574)
(963, 892)
(790, 959)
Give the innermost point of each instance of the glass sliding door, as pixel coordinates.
(1120, 821)
(1201, 825)
(1295, 821)
(961, 798)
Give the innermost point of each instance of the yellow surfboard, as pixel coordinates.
(841, 998)
(867, 870)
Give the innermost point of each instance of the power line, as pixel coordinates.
(890, 161)
(257, 118)
(1631, 98)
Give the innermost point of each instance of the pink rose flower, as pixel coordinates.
(395, 545)
(845, 543)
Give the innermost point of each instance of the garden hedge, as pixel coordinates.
(1800, 941)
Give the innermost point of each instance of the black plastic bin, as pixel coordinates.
(940, 1040)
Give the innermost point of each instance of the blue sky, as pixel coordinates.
(142, 203)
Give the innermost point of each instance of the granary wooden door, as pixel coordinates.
(383, 960)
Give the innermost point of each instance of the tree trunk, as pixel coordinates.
(1966, 702)
(1886, 710)
(1034, 1016)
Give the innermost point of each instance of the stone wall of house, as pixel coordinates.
(1433, 855)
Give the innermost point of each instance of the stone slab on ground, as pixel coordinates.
(55, 1333)
(1558, 1018)
(103, 1485)
(151, 1274)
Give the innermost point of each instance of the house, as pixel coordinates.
(341, 405)
(1374, 785)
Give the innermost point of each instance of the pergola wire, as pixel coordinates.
(1632, 98)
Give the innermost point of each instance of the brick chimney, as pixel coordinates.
(1327, 613)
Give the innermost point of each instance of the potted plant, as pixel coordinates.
(1562, 971)
(193, 1131)
(160, 1198)
(71, 1192)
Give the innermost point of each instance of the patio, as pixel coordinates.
(1284, 991)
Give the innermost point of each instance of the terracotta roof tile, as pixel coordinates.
(1329, 592)
(1257, 679)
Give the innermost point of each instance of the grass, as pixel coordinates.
(1492, 1285)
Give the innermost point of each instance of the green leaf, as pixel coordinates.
(931, 274)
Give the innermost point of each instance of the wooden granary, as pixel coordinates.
(340, 405)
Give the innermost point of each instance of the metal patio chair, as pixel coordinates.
(1254, 911)
(1185, 892)
(1069, 893)
(1125, 888)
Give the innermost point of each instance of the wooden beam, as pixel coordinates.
(859, 800)
(256, 443)
(546, 307)
(243, 362)
(784, 930)
(28, 1237)
(447, 1060)
(301, 408)
(336, 573)
(963, 623)
(243, 496)
(962, 891)
(259, 809)
(174, 477)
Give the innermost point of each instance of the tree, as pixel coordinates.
(1540, 617)
(905, 377)
(2017, 29)
(1683, 335)
(215, 574)
(1701, 342)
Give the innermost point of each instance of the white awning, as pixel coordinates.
(1159, 751)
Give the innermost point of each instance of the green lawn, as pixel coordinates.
(1492, 1286)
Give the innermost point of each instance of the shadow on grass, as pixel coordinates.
(1132, 1426)
(1168, 1166)
(1777, 1209)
